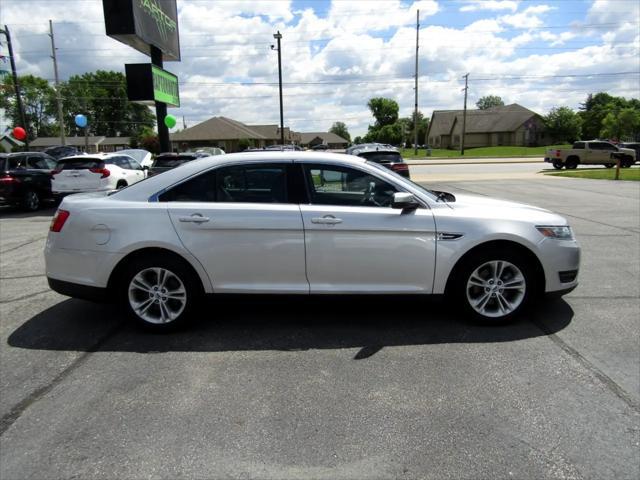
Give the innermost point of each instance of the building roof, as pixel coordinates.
(72, 141)
(507, 118)
(219, 128)
(326, 137)
(116, 141)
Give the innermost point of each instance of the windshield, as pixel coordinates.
(171, 162)
(79, 163)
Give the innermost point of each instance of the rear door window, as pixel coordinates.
(578, 146)
(122, 162)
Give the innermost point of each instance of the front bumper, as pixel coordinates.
(561, 263)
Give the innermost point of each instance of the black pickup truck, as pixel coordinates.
(25, 179)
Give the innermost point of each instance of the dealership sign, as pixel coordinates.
(141, 23)
(147, 83)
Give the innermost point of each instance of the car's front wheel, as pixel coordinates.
(31, 201)
(558, 165)
(160, 294)
(495, 287)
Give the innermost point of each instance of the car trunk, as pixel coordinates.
(78, 174)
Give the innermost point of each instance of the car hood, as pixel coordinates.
(480, 206)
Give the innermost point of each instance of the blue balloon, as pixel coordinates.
(81, 120)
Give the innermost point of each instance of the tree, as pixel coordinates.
(384, 110)
(423, 126)
(148, 140)
(489, 101)
(391, 134)
(595, 109)
(621, 123)
(102, 97)
(357, 140)
(340, 129)
(563, 125)
(38, 99)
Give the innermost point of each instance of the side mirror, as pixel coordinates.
(145, 167)
(404, 201)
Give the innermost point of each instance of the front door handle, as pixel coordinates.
(326, 220)
(195, 218)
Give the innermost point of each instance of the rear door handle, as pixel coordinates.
(326, 220)
(195, 218)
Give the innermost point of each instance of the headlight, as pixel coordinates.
(561, 233)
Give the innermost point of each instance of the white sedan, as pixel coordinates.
(94, 173)
(302, 223)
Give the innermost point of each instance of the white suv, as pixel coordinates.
(95, 173)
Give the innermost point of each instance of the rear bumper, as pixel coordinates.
(75, 290)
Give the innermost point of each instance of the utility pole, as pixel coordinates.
(464, 115)
(184, 123)
(16, 86)
(278, 36)
(415, 112)
(57, 80)
(161, 107)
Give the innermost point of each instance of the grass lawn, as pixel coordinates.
(481, 152)
(600, 173)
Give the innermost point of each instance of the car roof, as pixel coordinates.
(100, 155)
(153, 185)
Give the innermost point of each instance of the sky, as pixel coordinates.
(336, 55)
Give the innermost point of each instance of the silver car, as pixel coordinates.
(303, 223)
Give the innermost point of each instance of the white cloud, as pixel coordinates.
(336, 56)
(493, 5)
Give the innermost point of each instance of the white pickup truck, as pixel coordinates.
(593, 152)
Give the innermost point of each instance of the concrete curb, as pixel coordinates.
(473, 161)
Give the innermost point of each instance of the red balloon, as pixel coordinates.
(19, 133)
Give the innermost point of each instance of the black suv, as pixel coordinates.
(25, 179)
(385, 155)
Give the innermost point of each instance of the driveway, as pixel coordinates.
(383, 387)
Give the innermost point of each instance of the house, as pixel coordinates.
(8, 143)
(512, 125)
(332, 140)
(94, 144)
(228, 134)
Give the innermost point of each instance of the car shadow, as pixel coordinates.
(281, 323)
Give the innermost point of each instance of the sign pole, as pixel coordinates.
(161, 107)
(16, 86)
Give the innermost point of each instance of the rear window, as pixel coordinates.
(80, 164)
(382, 157)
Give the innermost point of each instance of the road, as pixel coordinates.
(335, 388)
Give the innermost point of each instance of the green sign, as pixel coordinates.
(165, 87)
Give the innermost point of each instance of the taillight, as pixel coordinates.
(55, 172)
(558, 153)
(58, 220)
(103, 171)
(399, 167)
(9, 179)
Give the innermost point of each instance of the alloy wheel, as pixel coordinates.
(157, 295)
(496, 288)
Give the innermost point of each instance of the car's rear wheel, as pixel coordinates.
(121, 184)
(626, 162)
(159, 294)
(608, 165)
(558, 165)
(571, 163)
(494, 287)
(31, 201)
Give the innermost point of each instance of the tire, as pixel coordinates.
(145, 293)
(608, 165)
(121, 184)
(494, 286)
(30, 201)
(626, 162)
(571, 163)
(558, 165)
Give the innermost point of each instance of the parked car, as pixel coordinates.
(283, 148)
(140, 155)
(61, 151)
(208, 151)
(592, 152)
(360, 146)
(384, 155)
(167, 161)
(320, 146)
(95, 173)
(25, 179)
(317, 224)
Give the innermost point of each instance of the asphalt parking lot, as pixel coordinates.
(375, 388)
